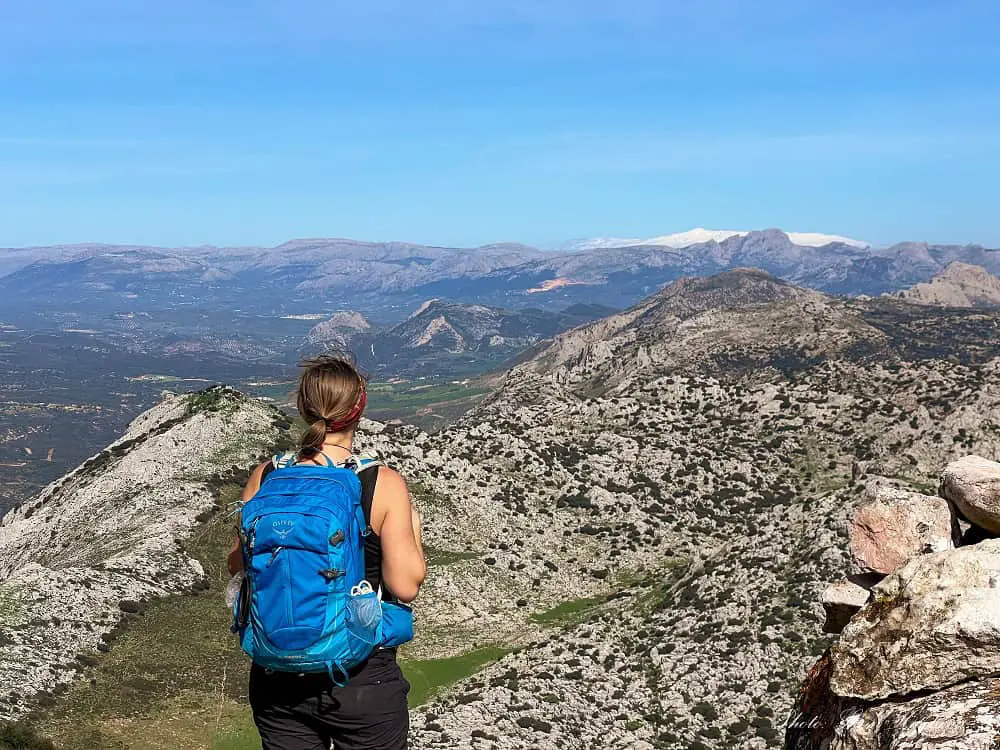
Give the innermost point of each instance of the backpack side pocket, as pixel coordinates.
(397, 624)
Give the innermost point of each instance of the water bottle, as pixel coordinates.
(233, 589)
(364, 612)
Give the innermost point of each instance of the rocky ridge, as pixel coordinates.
(338, 329)
(958, 285)
(77, 559)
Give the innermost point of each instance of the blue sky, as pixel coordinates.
(471, 121)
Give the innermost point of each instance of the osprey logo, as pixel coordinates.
(283, 528)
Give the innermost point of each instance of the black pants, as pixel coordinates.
(307, 712)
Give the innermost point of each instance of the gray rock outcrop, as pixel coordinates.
(962, 717)
(932, 624)
(972, 483)
(917, 665)
(958, 285)
(841, 601)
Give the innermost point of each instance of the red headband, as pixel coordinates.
(352, 416)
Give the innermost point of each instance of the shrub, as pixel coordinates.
(22, 737)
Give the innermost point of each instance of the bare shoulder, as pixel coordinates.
(391, 497)
(390, 484)
(258, 473)
(253, 483)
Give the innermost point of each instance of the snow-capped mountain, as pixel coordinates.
(699, 235)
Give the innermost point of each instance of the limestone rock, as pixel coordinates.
(933, 623)
(841, 601)
(973, 485)
(111, 531)
(964, 717)
(894, 525)
(958, 285)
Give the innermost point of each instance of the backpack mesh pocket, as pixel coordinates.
(364, 613)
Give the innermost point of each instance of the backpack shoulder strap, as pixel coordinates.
(279, 461)
(369, 477)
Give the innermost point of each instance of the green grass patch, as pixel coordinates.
(241, 734)
(428, 405)
(440, 557)
(428, 677)
(569, 612)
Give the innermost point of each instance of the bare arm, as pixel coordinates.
(398, 525)
(234, 560)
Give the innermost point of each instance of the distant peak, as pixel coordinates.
(701, 235)
(694, 236)
(957, 285)
(425, 307)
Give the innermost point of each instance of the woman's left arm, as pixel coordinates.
(234, 560)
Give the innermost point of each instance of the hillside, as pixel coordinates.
(644, 514)
(694, 515)
(958, 285)
(462, 339)
(338, 329)
(107, 534)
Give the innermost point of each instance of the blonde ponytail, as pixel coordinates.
(331, 397)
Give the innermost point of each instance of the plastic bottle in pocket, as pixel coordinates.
(364, 612)
(233, 589)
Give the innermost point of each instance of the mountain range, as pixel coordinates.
(700, 235)
(391, 279)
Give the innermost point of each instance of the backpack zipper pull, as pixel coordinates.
(274, 555)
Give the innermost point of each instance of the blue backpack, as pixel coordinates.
(305, 605)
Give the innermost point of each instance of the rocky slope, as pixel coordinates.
(78, 557)
(958, 285)
(731, 496)
(459, 339)
(648, 510)
(698, 500)
(337, 330)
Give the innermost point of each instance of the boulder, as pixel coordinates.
(893, 525)
(964, 717)
(932, 624)
(841, 601)
(973, 485)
